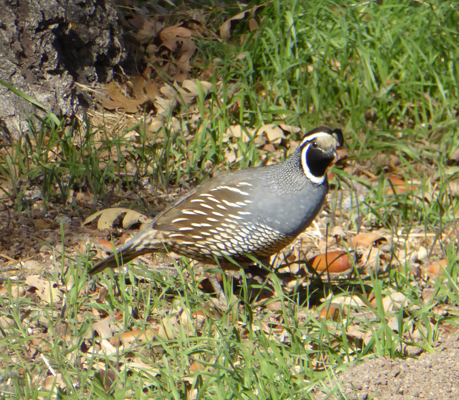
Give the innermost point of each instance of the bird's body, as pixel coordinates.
(242, 215)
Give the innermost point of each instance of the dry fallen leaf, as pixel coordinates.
(225, 28)
(47, 291)
(454, 157)
(103, 327)
(173, 32)
(108, 378)
(116, 100)
(239, 131)
(396, 186)
(436, 269)
(139, 365)
(330, 311)
(128, 339)
(7, 322)
(108, 217)
(333, 261)
(339, 232)
(273, 132)
(366, 239)
(53, 383)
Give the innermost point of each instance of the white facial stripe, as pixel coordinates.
(307, 171)
(315, 136)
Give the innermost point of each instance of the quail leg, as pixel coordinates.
(234, 272)
(218, 289)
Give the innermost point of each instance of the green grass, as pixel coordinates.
(388, 75)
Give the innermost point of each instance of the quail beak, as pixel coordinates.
(334, 155)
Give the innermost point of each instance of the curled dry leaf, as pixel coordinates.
(7, 322)
(107, 348)
(139, 365)
(191, 89)
(333, 261)
(116, 100)
(53, 383)
(108, 217)
(47, 291)
(129, 339)
(393, 324)
(151, 90)
(103, 327)
(225, 29)
(137, 88)
(330, 311)
(239, 131)
(146, 28)
(104, 244)
(454, 157)
(355, 332)
(253, 25)
(398, 299)
(435, 269)
(289, 128)
(176, 39)
(338, 231)
(366, 239)
(16, 291)
(273, 132)
(108, 378)
(349, 300)
(186, 94)
(372, 259)
(173, 32)
(398, 186)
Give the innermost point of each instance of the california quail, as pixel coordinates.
(256, 212)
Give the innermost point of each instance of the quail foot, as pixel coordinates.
(254, 212)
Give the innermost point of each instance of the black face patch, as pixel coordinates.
(318, 161)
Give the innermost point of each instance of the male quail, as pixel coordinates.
(255, 212)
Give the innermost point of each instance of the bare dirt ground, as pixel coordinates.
(429, 376)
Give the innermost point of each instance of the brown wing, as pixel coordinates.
(207, 206)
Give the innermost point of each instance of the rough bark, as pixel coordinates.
(46, 46)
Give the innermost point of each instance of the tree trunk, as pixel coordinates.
(46, 46)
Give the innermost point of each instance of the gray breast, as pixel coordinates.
(284, 199)
(291, 213)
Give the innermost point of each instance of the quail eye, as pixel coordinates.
(315, 145)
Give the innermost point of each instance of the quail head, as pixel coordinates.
(243, 215)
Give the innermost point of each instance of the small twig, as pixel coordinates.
(8, 258)
(46, 361)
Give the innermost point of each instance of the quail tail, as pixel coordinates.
(143, 243)
(123, 258)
